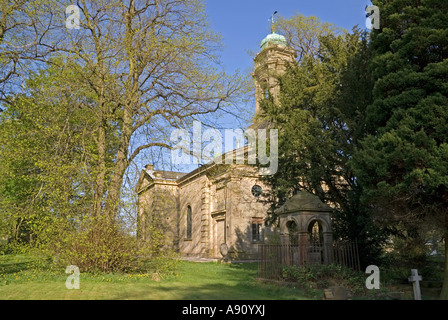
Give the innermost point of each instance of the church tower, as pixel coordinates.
(270, 63)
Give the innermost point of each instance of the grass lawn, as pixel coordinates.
(21, 280)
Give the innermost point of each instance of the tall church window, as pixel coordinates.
(257, 229)
(189, 223)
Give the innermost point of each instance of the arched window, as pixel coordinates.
(315, 232)
(293, 231)
(189, 223)
(257, 229)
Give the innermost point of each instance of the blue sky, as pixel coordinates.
(244, 23)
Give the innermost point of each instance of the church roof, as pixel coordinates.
(171, 177)
(273, 38)
(166, 175)
(157, 175)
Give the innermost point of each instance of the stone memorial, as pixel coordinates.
(415, 278)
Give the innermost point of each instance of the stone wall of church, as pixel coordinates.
(158, 213)
(223, 210)
(194, 193)
(244, 210)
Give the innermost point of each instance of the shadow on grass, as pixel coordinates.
(213, 292)
(12, 264)
(214, 282)
(195, 281)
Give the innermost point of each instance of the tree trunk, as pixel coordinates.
(113, 196)
(101, 173)
(121, 164)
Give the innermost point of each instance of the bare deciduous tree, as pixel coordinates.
(26, 41)
(150, 65)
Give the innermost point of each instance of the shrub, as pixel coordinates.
(101, 245)
(98, 246)
(321, 276)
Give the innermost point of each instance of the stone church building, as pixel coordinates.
(217, 209)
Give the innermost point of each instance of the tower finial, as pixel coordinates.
(273, 21)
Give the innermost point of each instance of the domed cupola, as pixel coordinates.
(274, 38)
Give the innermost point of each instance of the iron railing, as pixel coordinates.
(273, 257)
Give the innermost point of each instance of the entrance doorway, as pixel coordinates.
(219, 236)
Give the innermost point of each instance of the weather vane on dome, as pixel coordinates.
(272, 20)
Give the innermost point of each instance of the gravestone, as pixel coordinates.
(336, 293)
(328, 294)
(415, 278)
(224, 249)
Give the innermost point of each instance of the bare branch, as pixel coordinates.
(146, 146)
